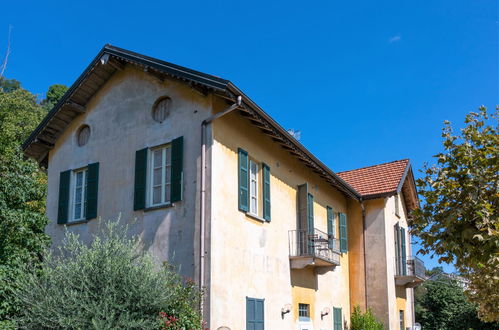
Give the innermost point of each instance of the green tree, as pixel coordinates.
(442, 304)
(53, 95)
(364, 321)
(459, 217)
(8, 85)
(108, 284)
(22, 194)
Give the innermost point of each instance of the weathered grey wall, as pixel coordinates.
(376, 260)
(121, 123)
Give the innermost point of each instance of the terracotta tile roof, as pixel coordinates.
(376, 179)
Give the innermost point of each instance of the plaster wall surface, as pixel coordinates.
(120, 119)
(376, 260)
(356, 255)
(383, 296)
(250, 257)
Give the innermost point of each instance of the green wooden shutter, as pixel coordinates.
(92, 190)
(310, 223)
(337, 319)
(396, 231)
(330, 216)
(310, 214)
(343, 233)
(243, 180)
(139, 191)
(266, 192)
(302, 206)
(63, 207)
(255, 317)
(402, 246)
(177, 172)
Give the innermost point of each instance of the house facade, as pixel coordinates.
(215, 186)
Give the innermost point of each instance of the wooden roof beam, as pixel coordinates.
(75, 107)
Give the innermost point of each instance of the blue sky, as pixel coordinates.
(364, 81)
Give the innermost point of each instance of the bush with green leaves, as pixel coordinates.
(364, 321)
(109, 284)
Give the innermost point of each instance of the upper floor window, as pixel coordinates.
(253, 187)
(160, 176)
(80, 194)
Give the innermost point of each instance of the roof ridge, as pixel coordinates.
(370, 166)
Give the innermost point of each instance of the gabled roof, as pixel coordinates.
(384, 180)
(111, 59)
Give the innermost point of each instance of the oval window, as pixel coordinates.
(161, 109)
(83, 135)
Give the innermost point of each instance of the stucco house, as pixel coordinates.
(215, 186)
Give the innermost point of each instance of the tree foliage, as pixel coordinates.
(442, 304)
(54, 94)
(22, 193)
(459, 217)
(8, 85)
(109, 284)
(364, 321)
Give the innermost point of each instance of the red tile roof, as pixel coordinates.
(376, 179)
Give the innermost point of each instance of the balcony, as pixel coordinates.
(315, 249)
(409, 272)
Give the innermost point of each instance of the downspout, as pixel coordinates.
(202, 207)
(362, 206)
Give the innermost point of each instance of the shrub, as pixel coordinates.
(364, 321)
(109, 284)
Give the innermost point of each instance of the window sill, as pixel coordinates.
(77, 222)
(255, 217)
(158, 207)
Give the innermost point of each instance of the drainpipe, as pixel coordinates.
(363, 207)
(202, 251)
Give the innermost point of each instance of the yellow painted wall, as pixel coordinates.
(401, 303)
(250, 258)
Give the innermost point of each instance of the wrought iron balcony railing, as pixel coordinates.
(314, 244)
(410, 270)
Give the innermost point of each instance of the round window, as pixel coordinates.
(161, 109)
(83, 135)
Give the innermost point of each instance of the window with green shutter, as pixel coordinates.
(255, 316)
(330, 226)
(337, 319)
(343, 233)
(243, 177)
(266, 192)
(78, 194)
(402, 247)
(159, 175)
(63, 207)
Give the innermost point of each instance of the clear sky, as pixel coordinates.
(365, 82)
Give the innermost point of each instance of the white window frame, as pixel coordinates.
(165, 168)
(82, 215)
(253, 193)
